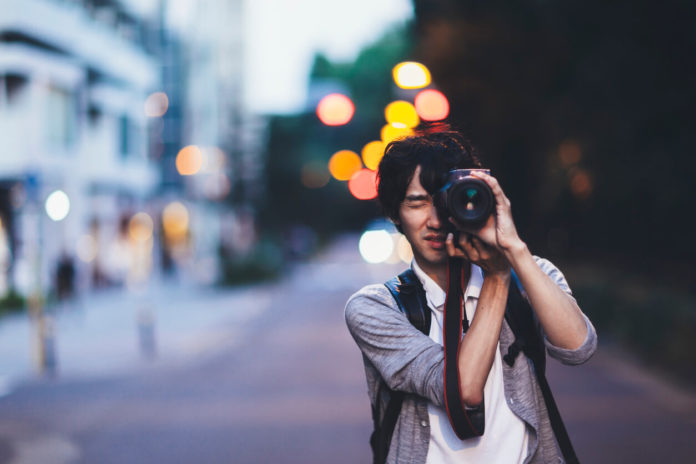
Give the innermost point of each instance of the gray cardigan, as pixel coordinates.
(409, 361)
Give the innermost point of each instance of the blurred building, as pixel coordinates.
(74, 77)
(220, 195)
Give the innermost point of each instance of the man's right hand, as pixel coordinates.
(472, 249)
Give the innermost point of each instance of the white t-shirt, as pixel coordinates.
(505, 438)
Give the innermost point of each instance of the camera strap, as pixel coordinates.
(466, 422)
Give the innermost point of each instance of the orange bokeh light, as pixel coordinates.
(343, 164)
(363, 184)
(431, 105)
(189, 160)
(335, 109)
(314, 175)
(372, 154)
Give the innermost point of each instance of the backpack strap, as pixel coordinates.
(410, 298)
(529, 340)
(409, 294)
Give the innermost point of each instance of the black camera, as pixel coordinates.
(469, 200)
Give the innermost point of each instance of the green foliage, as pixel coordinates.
(655, 321)
(616, 77)
(11, 302)
(298, 140)
(264, 262)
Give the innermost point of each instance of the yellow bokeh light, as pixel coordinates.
(175, 221)
(392, 132)
(140, 227)
(343, 164)
(411, 75)
(401, 113)
(156, 105)
(189, 160)
(372, 154)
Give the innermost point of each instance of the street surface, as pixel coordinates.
(266, 374)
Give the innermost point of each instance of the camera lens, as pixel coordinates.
(470, 201)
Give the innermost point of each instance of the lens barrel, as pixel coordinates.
(469, 200)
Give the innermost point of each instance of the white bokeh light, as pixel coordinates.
(57, 205)
(376, 246)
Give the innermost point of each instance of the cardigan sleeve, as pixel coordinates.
(406, 359)
(585, 351)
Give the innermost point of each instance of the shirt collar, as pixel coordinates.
(436, 295)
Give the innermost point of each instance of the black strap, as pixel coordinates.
(465, 423)
(410, 298)
(380, 440)
(528, 339)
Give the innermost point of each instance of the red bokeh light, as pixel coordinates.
(431, 105)
(335, 109)
(363, 184)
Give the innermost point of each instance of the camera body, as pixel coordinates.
(467, 199)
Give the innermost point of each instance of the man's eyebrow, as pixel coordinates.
(417, 197)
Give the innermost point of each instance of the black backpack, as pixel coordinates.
(409, 294)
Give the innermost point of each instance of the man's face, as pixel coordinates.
(422, 227)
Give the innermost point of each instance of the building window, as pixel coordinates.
(60, 118)
(14, 85)
(124, 136)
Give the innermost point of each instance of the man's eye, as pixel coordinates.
(417, 204)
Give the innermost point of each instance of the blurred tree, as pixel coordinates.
(582, 109)
(301, 145)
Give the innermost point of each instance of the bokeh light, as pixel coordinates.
(335, 109)
(569, 152)
(140, 227)
(392, 132)
(363, 184)
(404, 250)
(343, 164)
(431, 105)
(314, 175)
(217, 185)
(411, 75)
(156, 105)
(175, 221)
(375, 246)
(86, 248)
(189, 160)
(57, 205)
(372, 154)
(401, 113)
(580, 184)
(214, 159)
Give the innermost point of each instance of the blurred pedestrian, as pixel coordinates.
(65, 277)
(493, 406)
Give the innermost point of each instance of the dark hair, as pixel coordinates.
(436, 153)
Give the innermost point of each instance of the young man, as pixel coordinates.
(517, 427)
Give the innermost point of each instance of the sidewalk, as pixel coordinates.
(114, 330)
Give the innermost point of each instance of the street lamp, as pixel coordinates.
(57, 205)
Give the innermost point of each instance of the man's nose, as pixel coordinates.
(434, 221)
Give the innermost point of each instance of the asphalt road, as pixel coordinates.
(285, 385)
